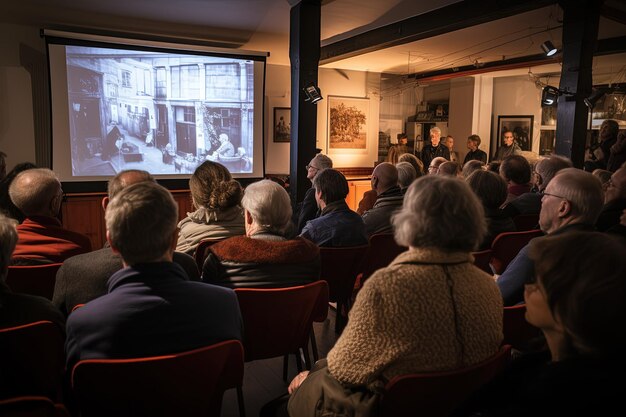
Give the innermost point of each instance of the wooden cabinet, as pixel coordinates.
(356, 189)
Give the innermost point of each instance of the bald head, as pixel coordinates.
(37, 192)
(123, 180)
(547, 168)
(384, 177)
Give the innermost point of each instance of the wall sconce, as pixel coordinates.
(313, 93)
(594, 97)
(549, 95)
(548, 48)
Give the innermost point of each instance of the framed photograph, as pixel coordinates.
(348, 121)
(522, 128)
(282, 124)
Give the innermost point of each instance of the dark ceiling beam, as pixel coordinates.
(614, 14)
(610, 46)
(446, 19)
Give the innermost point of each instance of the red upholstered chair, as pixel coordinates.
(31, 407)
(383, 249)
(278, 321)
(32, 360)
(202, 251)
(517, 331)
(340, 267)
(524, 222)
(35, 279)
(507, 245)
(437, 394)
(482, 259)
(189, 384)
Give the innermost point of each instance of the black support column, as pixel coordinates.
(304, 53)
(580, 32)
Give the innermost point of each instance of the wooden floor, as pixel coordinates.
(263, 380)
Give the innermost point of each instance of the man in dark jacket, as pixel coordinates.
(390, 198)
(434, 148)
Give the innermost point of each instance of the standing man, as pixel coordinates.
(449, 143)
(474, 154)
(434, 149)
(509, 147)
(308, 207)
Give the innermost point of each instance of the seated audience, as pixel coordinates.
(576, 299)
(308, 209)
(430, 310)
(406, 175)
(599, 155)
(6, 205)
(618, 153)
(41, 239)
(614, 200)
(433, 168)
(474, 154)
(493, 166)
(449, 168)
(571, 202)
(413, 160)
(216, 197)
(18, 309)
(471, 166)
(516, 171)
(385, 183)
(490, 188)
(337, 225)
(604, 176)
(264, 257)
(151, 308)
(545, 170)
(84, 277)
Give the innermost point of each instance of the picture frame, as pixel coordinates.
(348, 123)
(282, 124)
(522, 128)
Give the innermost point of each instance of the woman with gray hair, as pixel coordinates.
(264, 257)
(431, 308)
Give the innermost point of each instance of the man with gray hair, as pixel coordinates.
(571, 202)
(17, 309)
(390, 197)
(84, 277)
(434, 148)
(406, 175)
(151, 308)
(308, 208)
(41, 239)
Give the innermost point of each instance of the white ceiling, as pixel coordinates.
(264, 25)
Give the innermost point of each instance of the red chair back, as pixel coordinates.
(32, 360)
(184, 384)
(383, 249)
(517, 331)
(31, 407)
(482, 259)
(278, 321)
(525, 222)
(33, 279)
(437, 394)
(507, 245)
(202, 251)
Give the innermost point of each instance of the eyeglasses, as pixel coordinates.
(311, 166)
(553, 195)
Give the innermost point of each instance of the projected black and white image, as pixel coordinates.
(161, 112)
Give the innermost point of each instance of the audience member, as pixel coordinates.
(385, 182)
(337, 225)
(433, 168)
(618, 153)
(84, 277)
(490, 188)
(614, 200)
(474, 154)
(41, 239)
(599, 155)
(516, 171)
(545, 170)
(430, 310)
(6, 205)
(604, 176)
(434, 148)
(151, 308)
(577, 302)
(471, 166)
(264, 257)
(413, 160)
(493, 166)
(508, 148)
(449, 143)
(308, 208)
(17, 309)
(406, 175)
(216, 197)
(449, 168)
(571, 202)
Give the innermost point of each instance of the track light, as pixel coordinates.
(313, 93)
(594, 97)
(549, 95)
(548, 48)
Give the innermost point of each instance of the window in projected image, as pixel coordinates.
(164, 113)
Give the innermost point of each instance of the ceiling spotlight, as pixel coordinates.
(594, 97)
(548, 48)
(313, 93)
(549, 95)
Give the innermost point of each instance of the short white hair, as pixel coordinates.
(33, 190)
(141, 220)
(440, 212)
(8, 237)
(582, 190)
(406, 174)
(323, 161)
(269, 205)
(435, 129)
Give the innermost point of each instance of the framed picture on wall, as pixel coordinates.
(282, 124)
(522, 128)
(348, 121)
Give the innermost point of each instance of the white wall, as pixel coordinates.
(278, 94)
(483, 103)
(461, 112)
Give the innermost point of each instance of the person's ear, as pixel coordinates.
(113, 248)
(248, 217)
(174, 242)
(105, 203)
(565, 208)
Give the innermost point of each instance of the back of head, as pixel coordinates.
(471, 166)
(8, 237)
(440, 212)
(582, 190)
(602, 174)
(449, 168)
(583, 277)
(494, 166)
(322, 161)
(516, 169)
(489, 187)
(437, 161)
(213, 188)
(126, 178)
(413, 160)
(332, 185)
(406, 174)
(548, 167)
(141, 222)
(33, 190)
(387, 176)
(269, 205)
